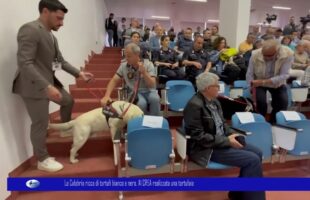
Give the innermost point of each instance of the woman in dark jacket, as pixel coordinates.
(166, 59)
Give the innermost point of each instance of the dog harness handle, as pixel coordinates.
(135, 92)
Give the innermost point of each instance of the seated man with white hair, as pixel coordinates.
(301, 58)
(134, 27)
(268, 70)
(211, 138)
(132, 71)
(307, 46)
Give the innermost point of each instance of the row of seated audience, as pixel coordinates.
(206, 62)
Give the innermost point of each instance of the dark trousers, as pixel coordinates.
(173, 74)
(279, 100)
(39, 115)
(192, 72)
(249, 160)
(110, 37)
(115, 39)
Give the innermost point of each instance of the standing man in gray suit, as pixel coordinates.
(38, 58)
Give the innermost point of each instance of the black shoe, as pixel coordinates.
(235, 195)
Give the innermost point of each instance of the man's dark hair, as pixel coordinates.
(189, 28)
(135, 32)
(218, 41)
(198, 36)
(111, 14)
(279, 30)
(52, 5)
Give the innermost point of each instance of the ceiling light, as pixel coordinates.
(281, 8)
(203, 1)
(214, 20)
(160, 17)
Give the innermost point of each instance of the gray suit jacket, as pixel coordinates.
(36, 52)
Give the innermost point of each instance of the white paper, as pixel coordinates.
(291, 115)
(222, 88)
(152, 121)
(245, 117)
(298, 82)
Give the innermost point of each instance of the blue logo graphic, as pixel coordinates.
(32, 184)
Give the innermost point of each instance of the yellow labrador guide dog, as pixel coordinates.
(93, 121)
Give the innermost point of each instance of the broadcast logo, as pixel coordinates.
(32, 184)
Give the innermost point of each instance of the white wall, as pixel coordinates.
(234, 26)
(83, 31)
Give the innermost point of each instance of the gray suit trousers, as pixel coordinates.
(38, 110)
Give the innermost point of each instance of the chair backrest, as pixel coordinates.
(283, 120)
(148, 147)
(261, 133)
(246, 89)
(236, 122)
(300, 122)
(179, 92)
(224, 89)
(296, 84)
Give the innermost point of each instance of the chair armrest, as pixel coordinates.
(127, 158)
(181, 143)
(164, 96)
(117, 137)
(182, 133)
(284, 136)
(172, 155)
(243, 132)
(288, 127)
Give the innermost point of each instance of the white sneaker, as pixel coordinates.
(50, 165)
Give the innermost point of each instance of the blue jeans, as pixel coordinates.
(151, 98)
(249, 160)
(110, 36)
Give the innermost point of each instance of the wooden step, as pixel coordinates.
(104, 61)
(98, 144)
(98, 83)
(112, 48)
(88, 93)
(97, 166)
(102, 67)
(85, 105)
(107, 55)
(103, 74)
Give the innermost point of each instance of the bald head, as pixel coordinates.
(306, 37)
(270, 49)
(132, 53)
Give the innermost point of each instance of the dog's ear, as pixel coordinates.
(133, 112)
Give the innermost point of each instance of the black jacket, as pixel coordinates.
(110, 25)
(200, 125)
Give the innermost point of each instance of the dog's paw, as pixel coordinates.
(73, 161)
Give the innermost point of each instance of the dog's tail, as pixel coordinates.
(62, 126)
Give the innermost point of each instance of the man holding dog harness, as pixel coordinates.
(38, 58)
(130, 72)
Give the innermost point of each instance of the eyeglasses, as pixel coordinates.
(270, 55)
(215, 85)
